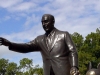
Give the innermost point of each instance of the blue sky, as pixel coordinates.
(20, 21)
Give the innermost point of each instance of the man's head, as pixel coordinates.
(48, 22)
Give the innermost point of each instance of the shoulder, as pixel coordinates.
(40, 37)
(62, 32)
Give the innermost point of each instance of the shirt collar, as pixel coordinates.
(51, 33)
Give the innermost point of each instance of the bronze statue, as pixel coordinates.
(58, 51)
(93, 71)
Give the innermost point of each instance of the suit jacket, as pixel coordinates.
(61, 55)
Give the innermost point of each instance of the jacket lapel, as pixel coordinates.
(54, 39)
(44, 42)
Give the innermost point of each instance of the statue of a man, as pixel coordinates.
(57, 49)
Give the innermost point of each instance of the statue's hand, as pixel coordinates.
(4, 41)
(74, 71)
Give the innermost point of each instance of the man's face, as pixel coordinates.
(47, 23)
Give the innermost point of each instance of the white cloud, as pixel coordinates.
(25, 6)
(26, 35)
(80, 16)
(9, 3)
(7, 17)
(32, 20)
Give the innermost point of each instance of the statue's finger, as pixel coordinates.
(72, 72)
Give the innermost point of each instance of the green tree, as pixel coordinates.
(38, 70)
(78, 40)
(98, 30)
(84, 59)
(89, 51)
(19, 73)
(11, 69)
(3, 66)
(25, 65)
(93, 42)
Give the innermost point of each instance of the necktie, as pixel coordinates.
(48, 42)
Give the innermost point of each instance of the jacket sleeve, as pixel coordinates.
(73, 55)
(25, 47)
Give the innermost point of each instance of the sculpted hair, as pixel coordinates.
(51, 17)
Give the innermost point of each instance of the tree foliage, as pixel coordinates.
(88, 49)
(25, 68)
(3, 66)
(11, 68)
(26, 64)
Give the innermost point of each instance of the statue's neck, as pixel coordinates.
(47, 33)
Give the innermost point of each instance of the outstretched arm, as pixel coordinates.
(20, 47)
(4, 42)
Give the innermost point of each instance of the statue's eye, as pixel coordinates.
(46, 21)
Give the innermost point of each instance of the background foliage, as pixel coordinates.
(25, 68)
(88, 49)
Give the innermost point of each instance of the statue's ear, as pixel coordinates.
(98, 66)
(89, 66)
